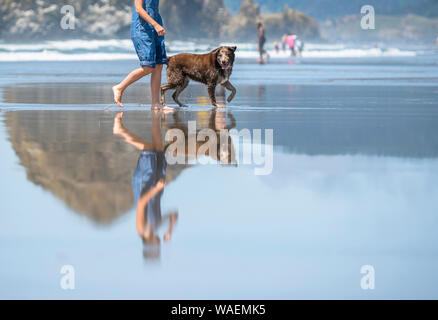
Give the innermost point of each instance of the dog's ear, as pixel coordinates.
(215, 51)
(234, 48)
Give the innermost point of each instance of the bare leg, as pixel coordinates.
(156, 90)
(156, 131)
(173, 217)
(134, 76)
(134, 140)
(260, 53)
(155, 86)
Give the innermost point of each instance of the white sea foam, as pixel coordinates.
(58, 56)
(77, 50)
(325, 51)
(68, 45)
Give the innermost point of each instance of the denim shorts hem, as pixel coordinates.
(152, 64)
(148, 64)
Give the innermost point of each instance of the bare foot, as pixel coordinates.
(168, 235)
(160, 184)
(168, 110)
(118, 96)
(161, 107)
(118, 123)
(156, 106)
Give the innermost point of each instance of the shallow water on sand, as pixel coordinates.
(353, 183)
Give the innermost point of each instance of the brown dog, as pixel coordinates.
(211, 69)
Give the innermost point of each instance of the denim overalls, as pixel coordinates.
(151, 168)
(149, 46)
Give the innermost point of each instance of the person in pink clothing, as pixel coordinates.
(290, 40)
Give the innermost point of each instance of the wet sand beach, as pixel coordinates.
(353, 183)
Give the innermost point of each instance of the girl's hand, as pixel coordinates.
(160, 30)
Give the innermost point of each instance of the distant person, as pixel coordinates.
(299, 47)
(261, 40)
(291, 43)
(147, 34)
(148, 183)
(276, 47)
(436, 41)
(284, 42)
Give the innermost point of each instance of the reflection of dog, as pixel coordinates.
(224, 153)
(211, 69)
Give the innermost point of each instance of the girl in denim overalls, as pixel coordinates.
(147, 34)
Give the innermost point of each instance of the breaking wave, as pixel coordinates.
(78, 50)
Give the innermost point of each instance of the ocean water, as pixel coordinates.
(80, 50)
(353, 179)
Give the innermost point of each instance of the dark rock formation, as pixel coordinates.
(107, 18)
(242, 25)
(194, 19)
(183, 19)
(292, 22)
(30, 19)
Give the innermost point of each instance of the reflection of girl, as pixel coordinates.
(148, 185)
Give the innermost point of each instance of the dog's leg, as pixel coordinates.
(178, 91)
(233, 90)
(212, 95)
(164, 88)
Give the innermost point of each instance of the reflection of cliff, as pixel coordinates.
(74, 155)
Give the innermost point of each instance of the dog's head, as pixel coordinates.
(225, 56)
